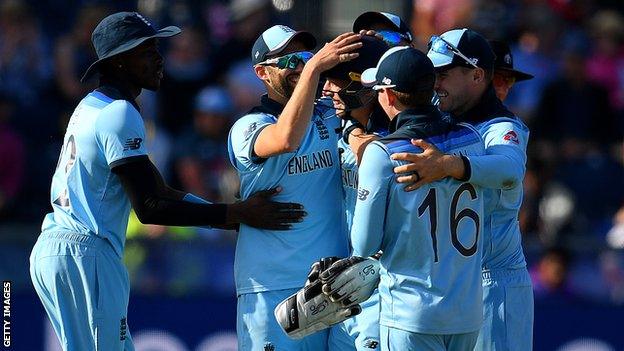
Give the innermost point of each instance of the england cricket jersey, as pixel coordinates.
(348, 164)
(500, 172)
(86, 196)
(431, 238)
(273, 260)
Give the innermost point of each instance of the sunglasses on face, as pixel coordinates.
(290, 61)
(392, 38)
(441, 46)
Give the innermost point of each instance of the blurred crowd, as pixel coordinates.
(573, 212)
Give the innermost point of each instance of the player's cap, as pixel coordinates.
(367, 19)
(403, 69)
(504, 60)
(370, 52)
(460, 47)
(214, 100)
(121, 32)
(275, 39)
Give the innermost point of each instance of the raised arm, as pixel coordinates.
(286, 134)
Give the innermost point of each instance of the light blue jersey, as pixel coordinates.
(431, 238)
(501, 172)
(349, 169)
(86, 196)
(273, 260)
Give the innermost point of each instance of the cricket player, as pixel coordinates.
(390, 27)
(365, 121)
(505, 76)
(464, 65)
(76, 264)
(288, 140)
(430, 288)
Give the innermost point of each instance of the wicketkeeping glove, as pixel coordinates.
(351, 280)
(309, 310)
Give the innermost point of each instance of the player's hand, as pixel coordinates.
(351, 280)
(341, 49)
(371, 33)
(260, 212)
(309, 310)
(426, 167)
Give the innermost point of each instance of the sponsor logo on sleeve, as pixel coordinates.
(132, 144)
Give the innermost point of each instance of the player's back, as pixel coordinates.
(86, 197)
(432, 246)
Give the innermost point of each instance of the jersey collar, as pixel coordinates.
(488, 107)
(417, 115)
(117, 94)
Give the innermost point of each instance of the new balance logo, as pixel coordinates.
(132, 144)
(371, 344)
(362, 194)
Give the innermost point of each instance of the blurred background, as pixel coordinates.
(183, 296)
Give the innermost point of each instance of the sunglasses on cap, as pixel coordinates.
(441, 46)
(392, 38)
(290, 61)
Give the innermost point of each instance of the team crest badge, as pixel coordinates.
(511, 136)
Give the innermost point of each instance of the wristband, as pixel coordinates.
(195, 199)
(467, 169)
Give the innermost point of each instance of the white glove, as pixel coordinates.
(351, 280)
(309, 310)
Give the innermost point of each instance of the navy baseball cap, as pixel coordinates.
(275, 39)
(367, 19)
(460, 47)
(403, 69)
(370, 52)
(504, 60)
(121, 32)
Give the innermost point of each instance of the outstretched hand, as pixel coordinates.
(425, 167)
(261, 212)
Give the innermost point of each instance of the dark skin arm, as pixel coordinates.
(156, 203)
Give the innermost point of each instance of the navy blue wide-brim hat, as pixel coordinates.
(121, 32)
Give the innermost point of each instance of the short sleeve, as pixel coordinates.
(242, 138)
(120, 133)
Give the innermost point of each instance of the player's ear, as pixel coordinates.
(478, 75)
(261, 72)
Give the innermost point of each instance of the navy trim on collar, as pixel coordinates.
(117, 94)
(268, 105)
(488, 107)
(418, 123)
(421, 114)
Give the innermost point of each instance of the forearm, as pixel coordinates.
(292, 124)
(166, 211)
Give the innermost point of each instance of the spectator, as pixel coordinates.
(201, 155)
(187, 70)
(73, 54)
(12, 159)
(550, 277)
(25, 69)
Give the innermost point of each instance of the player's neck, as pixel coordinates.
(362, 114)
(124, 86)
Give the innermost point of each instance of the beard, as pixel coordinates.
(285, 85)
